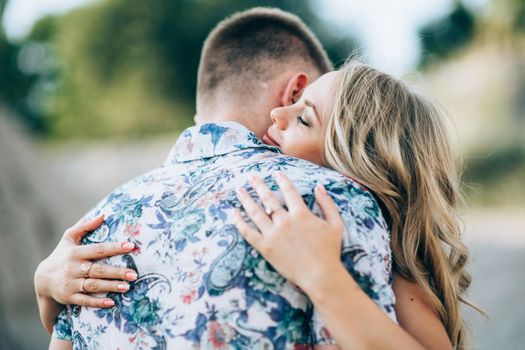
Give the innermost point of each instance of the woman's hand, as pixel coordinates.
(69, 274)
(298, 244)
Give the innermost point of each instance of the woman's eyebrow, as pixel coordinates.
(309, 103)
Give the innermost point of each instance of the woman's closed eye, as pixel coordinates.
(301, 120)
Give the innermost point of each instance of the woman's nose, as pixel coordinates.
(279, 118)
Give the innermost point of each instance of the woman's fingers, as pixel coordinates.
(102, 250)
(268, 199)
(93, 285)
(80, 229)
(255, 213)
(82, 299)
(293, 199)
(252, 236)
(328, 207)
(103, 271)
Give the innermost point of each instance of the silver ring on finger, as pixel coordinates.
(271, 210)
(82, 289)
(85, 268)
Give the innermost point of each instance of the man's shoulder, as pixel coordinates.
(140, 186)
(302, 172)
(147, 180)
(351, 197)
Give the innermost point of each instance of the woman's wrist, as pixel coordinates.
(43, 283)
(321, 283)
(48, 309)
(41, 289)
(39, 285)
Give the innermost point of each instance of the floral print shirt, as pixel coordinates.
(200, 284)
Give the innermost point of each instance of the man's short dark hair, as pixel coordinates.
(249, 45)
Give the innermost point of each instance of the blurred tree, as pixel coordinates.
(14, 85)
(120, 68)
(497, 178)
(446, 35)
(518, 14)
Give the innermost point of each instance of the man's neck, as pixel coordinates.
(243, 116)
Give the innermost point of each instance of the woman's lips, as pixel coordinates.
(269, 140)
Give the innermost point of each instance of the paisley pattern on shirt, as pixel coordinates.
(200, 284)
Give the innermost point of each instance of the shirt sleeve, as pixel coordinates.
(62, 329)
(366, 252)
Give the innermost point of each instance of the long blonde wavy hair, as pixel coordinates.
(394, 142)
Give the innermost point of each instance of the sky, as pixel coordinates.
(386, 29)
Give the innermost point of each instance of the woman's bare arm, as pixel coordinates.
(57, 344)
(352, 317)
(414, 312)
(417, 316)
(48, 310)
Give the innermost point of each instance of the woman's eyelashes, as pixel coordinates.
(301, 120)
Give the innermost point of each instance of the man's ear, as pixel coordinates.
(294, 88)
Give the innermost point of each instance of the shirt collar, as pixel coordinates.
(214, 139)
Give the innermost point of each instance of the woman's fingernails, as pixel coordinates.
(123, 286)
(241, 191)
(97, 217)
(109, 303)
(131, 276)
(279, 174)
(127, 245)
(321, 189)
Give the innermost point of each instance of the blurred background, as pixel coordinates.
(94, 93)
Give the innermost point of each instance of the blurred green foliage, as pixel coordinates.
(15, 85)
(122, 68)
(446, 35)
(512, 12)
(497, 178)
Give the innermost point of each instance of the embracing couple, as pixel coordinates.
(306, 209)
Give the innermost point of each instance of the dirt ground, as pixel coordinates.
(496, 239)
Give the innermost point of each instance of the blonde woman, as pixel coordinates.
(369, 126)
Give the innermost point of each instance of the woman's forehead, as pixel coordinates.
(325, 83)
(321, 92)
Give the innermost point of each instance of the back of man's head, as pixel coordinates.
(250, 48)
